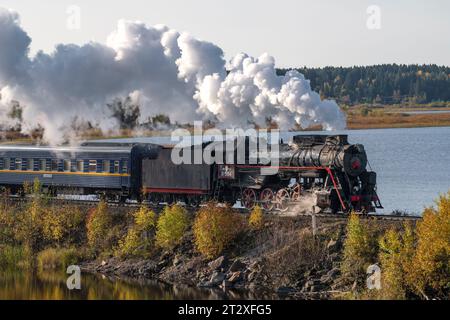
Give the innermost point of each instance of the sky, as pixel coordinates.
(296, 32)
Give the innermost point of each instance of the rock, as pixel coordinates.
(254, 266)
(285, 290)
(162, 263)
(316, 288)
(333, 273)
(237, 265)
(310, 284)
(252, 286)
(216, 278)
(176, 260)
(333, 256)
(204, 284)
(217, 264)
(251, 276)
(332, 245)
(337, 284)
(103, 263)
(355, 285)
(330, 276)
(235, 276)
(226, 284)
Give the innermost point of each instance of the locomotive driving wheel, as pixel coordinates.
(248, 198)
(266, 198)
(282, 200)
(296, 192)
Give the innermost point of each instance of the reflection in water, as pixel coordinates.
(28, 285)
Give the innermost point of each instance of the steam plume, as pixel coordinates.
(163, 70)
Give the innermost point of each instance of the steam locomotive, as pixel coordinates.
(320, 171)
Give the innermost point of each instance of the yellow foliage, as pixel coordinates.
(144, 219)
(131, 245)
(396, 253)
(7, 225)
(98, 224)
(359, 249)
(136, 241)
(214, 229)
(431, 264)
(53, 258)
(61, 222)
(171, 226)
(256, 218)
(28, 228)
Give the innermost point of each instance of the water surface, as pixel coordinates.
(50, 285)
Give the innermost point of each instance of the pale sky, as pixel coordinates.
(296, 32)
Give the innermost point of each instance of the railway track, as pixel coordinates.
(341, 216)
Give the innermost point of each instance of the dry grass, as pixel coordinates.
(382, 119)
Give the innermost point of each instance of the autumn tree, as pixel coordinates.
(360, 249)
(395, 255)
(431, 263)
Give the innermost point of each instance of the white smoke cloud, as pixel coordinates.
(165, 71)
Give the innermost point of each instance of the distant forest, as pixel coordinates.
(381, 84)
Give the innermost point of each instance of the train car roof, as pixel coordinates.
(70, 149)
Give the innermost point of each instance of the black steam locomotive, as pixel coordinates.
(319, 171)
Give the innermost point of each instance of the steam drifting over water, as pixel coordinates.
(162, 70)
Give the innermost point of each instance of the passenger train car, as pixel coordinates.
(110, 171)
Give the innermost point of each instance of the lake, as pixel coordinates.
(51, 285)
(412, 164)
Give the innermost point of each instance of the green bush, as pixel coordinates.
(214, 229)
(171, 226)
(29, 221)
(62, 224)
(396, 253)
(98, 225)
(360, 249)
(144, 219)
(11, 256)
(431, 263)
(137, 241)
(7, 225)
(59, 258)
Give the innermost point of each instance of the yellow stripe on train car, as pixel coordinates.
(105, 174)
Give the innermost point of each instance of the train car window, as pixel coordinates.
(30, 164)
(80, 165)
(73, 165)
(66, 165)
(99, 165)
(18, 163)
(7, 164)
(116, 166)
(106, 165)
(54, 165)
(42, 165)
(125, 167)
(92, 165)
